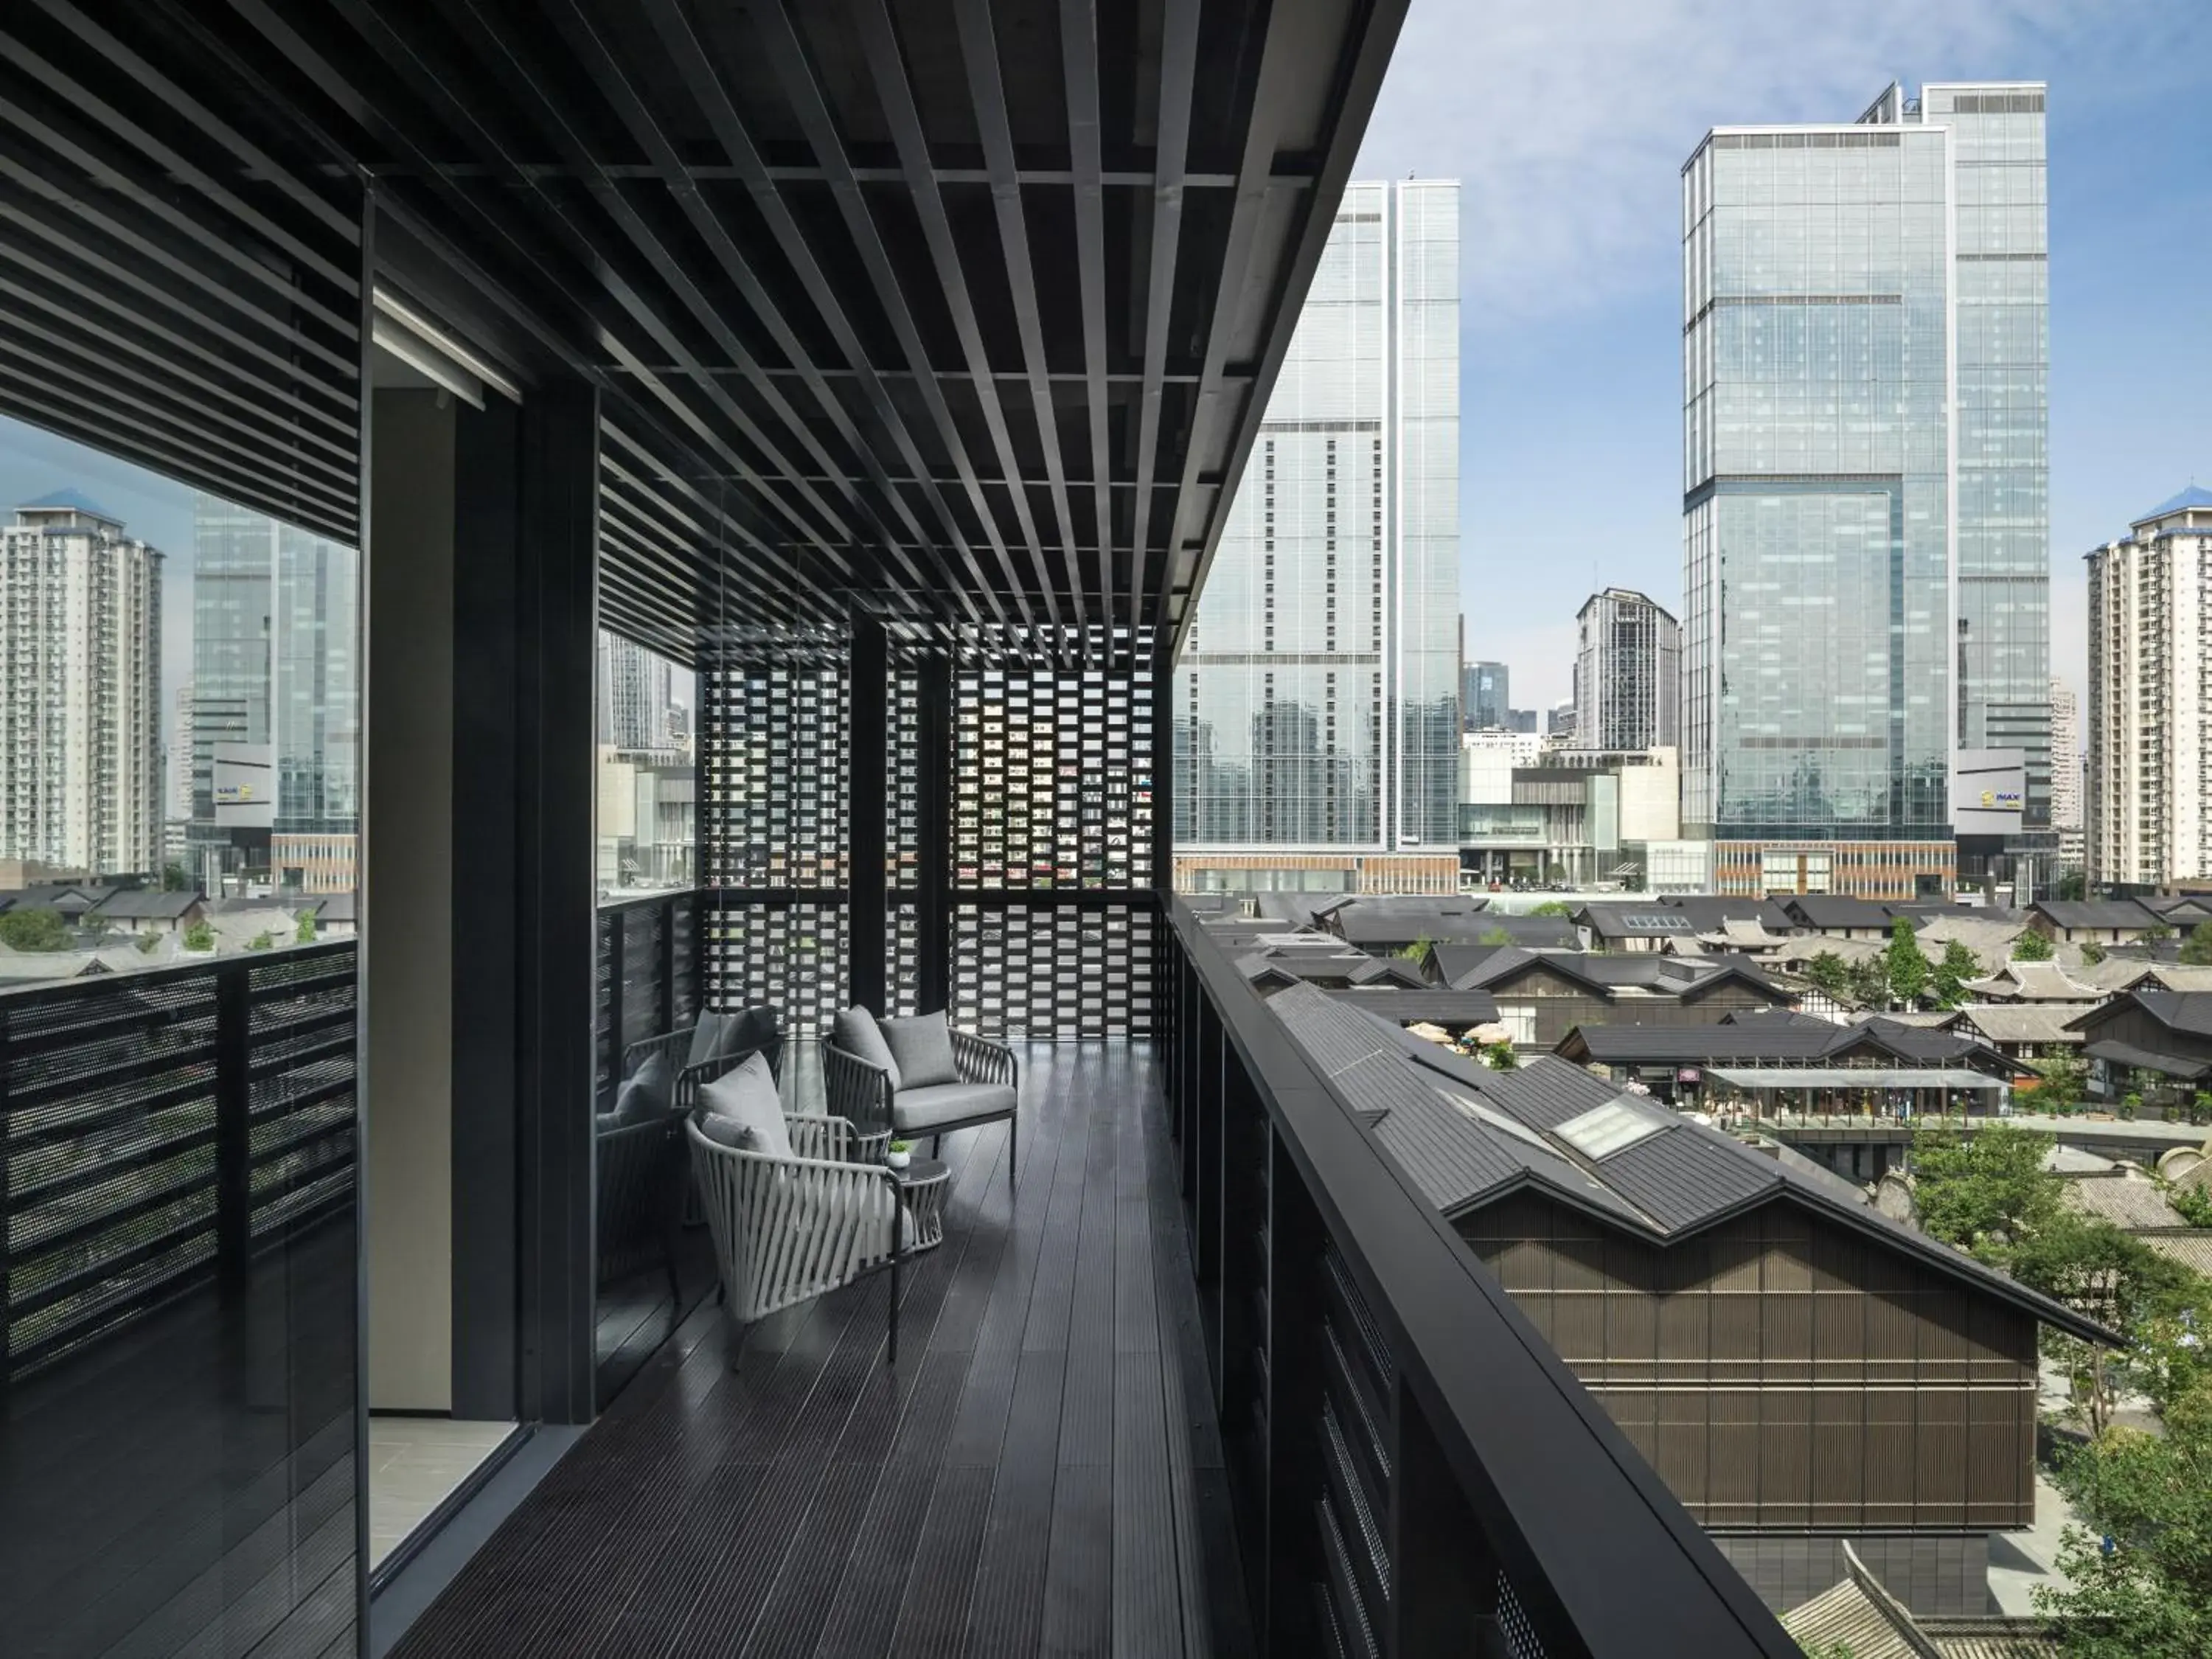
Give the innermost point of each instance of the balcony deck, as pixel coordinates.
(1041, 1473)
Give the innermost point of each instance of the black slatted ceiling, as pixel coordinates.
(207, 325)
(955, 311)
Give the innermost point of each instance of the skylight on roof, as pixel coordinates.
(1612, 1128)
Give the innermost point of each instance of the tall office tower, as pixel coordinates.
(1866, 581)
(1317, 700)
(1560, 723)
(1483, 695)
(1628, 669)
(180, 756)
(635, 693)
(276, 668)
(80, 655)
(2149, 817)
(2066, 774)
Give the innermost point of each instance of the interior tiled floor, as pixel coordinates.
(413, 1462)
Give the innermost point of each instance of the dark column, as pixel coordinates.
(933, 810)
(556, 619)
(866, 908)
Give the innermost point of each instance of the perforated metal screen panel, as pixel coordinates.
(774, 733)
(1053, 778)
(1049, 828)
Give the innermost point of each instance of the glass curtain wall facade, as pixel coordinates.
(1316, 700)
(274, 630)
(2001, 274)
(1840, 535)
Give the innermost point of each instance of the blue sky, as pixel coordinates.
(1568, 124)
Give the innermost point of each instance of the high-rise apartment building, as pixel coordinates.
(1866, 581)
(1484, 696)
(2149, 817)
(2066, 775)
(1317, 700)
(1628, 671)
(636, 693)
(81, 656)
(276, 667)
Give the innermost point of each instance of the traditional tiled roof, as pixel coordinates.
(2124, 913)
(2026, 1021)
(2129, 1201)
(1468, 1136)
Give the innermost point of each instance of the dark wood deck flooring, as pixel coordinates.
(1040, 1472)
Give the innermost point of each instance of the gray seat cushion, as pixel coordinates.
(922, 1046)
(706, 1037)
(646, 1093)
(856, 1032)
(925, 1111)
(751, 1117)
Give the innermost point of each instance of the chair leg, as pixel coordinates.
(1013, 1143)
(891, 1350)
(935, 1146)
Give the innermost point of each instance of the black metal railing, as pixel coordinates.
(647, 977)
(159, 1128)
(1414, 1472)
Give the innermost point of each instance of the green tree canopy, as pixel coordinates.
(2196, 949)
(1827, 970)
(1985, 1193)
(2062, 1084)
(200, 936)
(2146, 1593)
(1958, 966)
(1495, 936)
(1553, 907)
(2032, 947)
(1907, 963)
(305, 933)
(1500, 1057)
(40, 929)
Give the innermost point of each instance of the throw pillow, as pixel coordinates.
(749, 1031)
(706, 1036)
(922, 1046)
(648, 1091)
(856, 1032)
(726, 1131)
(747, 1095)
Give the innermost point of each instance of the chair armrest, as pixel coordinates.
(831, 1138)
(982, 1060)
(674, 1045)
(856, 1090)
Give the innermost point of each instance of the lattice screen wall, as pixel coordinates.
(1052, 794)
(774, 733)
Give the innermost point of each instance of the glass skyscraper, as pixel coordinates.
(275, 643)
(1317, 700)
(1866, 579)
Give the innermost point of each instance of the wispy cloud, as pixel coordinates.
(1569, 121)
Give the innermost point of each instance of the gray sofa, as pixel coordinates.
(917, 1076)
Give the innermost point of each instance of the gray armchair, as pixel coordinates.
(714, 1046)
(924, 1091)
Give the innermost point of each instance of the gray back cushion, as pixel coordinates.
(746, 1100)
(706, 1036)
(647, 1092)
(855, 1032)
(748, 1029)
(922, 1045)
